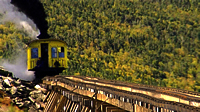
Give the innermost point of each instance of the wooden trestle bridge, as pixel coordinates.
(86, 94)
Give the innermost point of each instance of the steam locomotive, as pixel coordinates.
(46, 57)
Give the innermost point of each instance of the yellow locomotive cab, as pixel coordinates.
(51, 53)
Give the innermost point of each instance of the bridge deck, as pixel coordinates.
(127, 96)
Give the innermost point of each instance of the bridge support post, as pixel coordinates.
(72, 106)
(145, 105)
(75, 98)
(98, 106)
(87, 102)
(162, 110)
(159, 109)
(135, 102)
(68, 105)
(80, 99)
(154, 109)
(140, 103)
(104, 107)
(148, 105)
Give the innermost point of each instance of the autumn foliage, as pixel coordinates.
(154, 42)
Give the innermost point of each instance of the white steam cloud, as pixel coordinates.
(19, 69)
(10, 13)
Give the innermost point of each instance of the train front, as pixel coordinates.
(46, 57)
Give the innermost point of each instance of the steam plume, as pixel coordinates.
(32, 9)
(18, 68)
(35, 11)
(10, 13)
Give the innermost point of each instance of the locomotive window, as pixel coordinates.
(61, 52)
(34, 53)
(54, 52)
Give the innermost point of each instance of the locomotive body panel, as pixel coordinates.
(52, 53)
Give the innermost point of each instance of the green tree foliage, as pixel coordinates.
(155, 42)
(143, 41)
(12, 41)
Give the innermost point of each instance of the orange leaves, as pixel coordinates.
(180, 51)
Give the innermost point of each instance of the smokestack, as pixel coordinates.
(35, 11)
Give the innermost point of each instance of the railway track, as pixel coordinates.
(187, 95)
(174, 99)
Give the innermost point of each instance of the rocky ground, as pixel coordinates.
(21, 95)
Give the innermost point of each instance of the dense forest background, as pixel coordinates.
(154, 42)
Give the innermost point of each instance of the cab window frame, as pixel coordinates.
(61, 52)
(54, 54)
(34, 53)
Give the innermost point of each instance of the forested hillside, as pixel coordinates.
(153, 42)
(12, 41)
